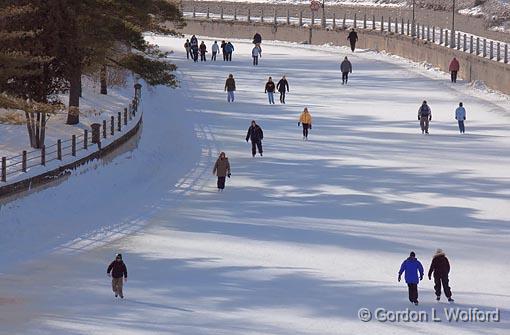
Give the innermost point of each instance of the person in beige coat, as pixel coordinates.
(222, 170)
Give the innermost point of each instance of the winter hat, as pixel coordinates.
(439, 251)
(412, 254)
(119, 256)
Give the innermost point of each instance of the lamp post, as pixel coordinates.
(452, 40)
(323, 15)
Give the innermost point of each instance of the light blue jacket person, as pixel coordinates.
(460, 116)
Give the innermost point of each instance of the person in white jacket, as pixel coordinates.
(215, 50)
(460, 116)
(256, 52)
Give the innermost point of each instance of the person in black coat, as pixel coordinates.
(222, 46)
(118, 269)
(353, 38)
(256, 135)
(282, 87)
(441, 268)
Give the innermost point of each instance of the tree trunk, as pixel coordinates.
(73, 115)
(102, 76)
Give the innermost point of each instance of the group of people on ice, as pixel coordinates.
(193, 50)
(413, 269)
(425, 116)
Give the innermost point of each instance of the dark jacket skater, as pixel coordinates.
(203, 51)
(282, 87)
(411, 266)
(222, 170)
(353, 38)
(346, 68)
(118, 270)
(222, 46)
(256, 135)
(441, 268)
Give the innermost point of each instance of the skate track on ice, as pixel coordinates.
(301, 238)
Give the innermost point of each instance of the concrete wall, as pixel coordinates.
(438, 18)
(496, 75)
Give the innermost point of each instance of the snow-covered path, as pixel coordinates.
(301, 238)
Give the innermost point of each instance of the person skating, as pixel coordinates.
(256, 53)
(118, 272)
(460, 116)
(230, 87)
(257, 39)
(305, 119)
(224, 53)
(346, 68)
(203, 51)
(214, 49)
(454, 69)
(222, 170)
(353, 38)
(269, 89)
(256, 135)
(441, 269)
(412, 267)
(187, 46)
(282, 87)
(229, 49)
(425, 116)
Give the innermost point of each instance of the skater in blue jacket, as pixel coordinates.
(411, 266)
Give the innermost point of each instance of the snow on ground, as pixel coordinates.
(94, 107)
(301, 238)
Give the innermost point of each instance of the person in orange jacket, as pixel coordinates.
(454, 69)
(305, 119)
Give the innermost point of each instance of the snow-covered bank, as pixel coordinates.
(303, 237)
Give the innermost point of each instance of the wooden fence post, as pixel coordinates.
(112, 125)
(43, 155)
(59, 149)
(73, 145)
(85, 139)
(24, 161)
(4, 169)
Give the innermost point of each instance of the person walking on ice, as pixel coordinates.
(269, 89)
(118, 271)
(187, 46)
(460, 116)
(424, 116)
(256, 135)
(441, 268)
(215, 49)
(256, 53)
(346, 68)
(203, 51)
(454, 69)
(412, 267)
(222, 170)
(305, 119)
(230, 87)
(353, 38)
(282, 87)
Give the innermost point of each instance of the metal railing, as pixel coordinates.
(458, 40)
(71, 147)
